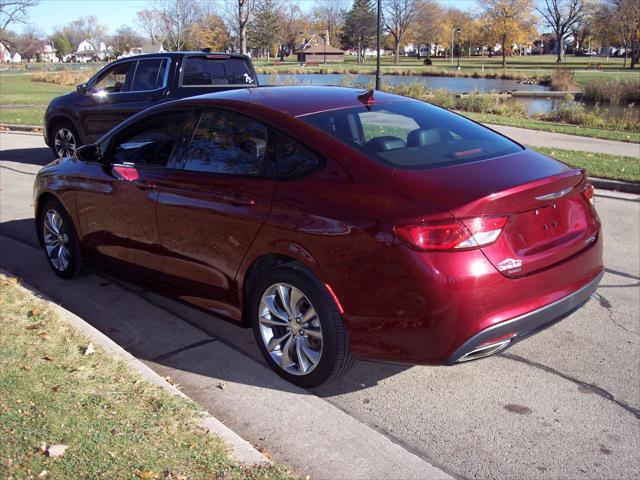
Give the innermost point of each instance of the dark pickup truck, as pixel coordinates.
(130, 85)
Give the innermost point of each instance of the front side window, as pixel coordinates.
(152, 142)
(227, 143)
(204, 71)
(149, 75)
(115, 80)
(411, 134)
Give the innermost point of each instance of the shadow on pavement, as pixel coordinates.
(157, 329)
(32, 156)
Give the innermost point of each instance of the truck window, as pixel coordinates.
(149, 74)
(204, 72)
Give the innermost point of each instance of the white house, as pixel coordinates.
(90, 49)
(144, 48)
(48, 54)
(5, 54)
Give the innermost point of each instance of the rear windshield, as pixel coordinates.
(412, 134)
(205, 72)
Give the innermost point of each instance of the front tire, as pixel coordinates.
(299, 328)
(59, 240)
(64, 139)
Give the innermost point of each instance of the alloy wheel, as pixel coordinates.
(56, 240)
(290, 329)
(65, 143)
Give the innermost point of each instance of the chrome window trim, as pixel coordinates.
(164, 80)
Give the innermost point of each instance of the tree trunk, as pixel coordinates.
(397, 54)
(504, 52)
(559, 38)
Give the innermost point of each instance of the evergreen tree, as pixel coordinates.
(62, 45)
(359, 29)
(264, 28)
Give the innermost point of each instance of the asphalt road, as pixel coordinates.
(563, 404)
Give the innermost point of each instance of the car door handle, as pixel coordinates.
(239, 200)
(146, 185)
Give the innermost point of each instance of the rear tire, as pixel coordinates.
(64, 139)
(59, 240)
(303, 337)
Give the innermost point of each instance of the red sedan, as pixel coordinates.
(338, 224)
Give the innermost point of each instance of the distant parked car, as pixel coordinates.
(128, 86)
(338, 224)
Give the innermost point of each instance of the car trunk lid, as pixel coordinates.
(549, 218)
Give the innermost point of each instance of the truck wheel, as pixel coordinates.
(64, 139)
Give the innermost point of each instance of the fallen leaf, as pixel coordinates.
(47, 358)
(56, 450)
(55, 388)
(147, 475)
(33, 326)
(43, 474)
(221, 385)
(90, 350)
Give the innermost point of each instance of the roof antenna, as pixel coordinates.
(367, 98)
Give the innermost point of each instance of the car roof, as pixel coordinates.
(183, 53)
(298, 100)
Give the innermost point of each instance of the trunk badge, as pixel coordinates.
(511, 265)
(554, 195)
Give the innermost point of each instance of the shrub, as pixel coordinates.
(617, 92)
(62, 78)
(563, 81)
(427, 61)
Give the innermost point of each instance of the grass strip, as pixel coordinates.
(22, 116)
(613, 167)
(114, 424)
(618, 135)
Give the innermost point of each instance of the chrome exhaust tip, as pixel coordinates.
(484, 350)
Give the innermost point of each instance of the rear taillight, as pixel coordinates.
(587, 192)
(452, 235)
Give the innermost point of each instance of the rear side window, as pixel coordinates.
(227, 143)
(293, 159)
(204, 71)
(149, 74)
(412, 134)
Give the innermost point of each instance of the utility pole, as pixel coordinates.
(378, 75)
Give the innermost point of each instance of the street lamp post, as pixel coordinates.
(378, 74)
(458, 30)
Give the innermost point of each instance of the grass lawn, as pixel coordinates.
(598, 164)
(18, 89)
(114, 423)
(22, 116)
(621, 136)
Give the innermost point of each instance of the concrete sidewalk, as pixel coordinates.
(536, 138)
(287, 423)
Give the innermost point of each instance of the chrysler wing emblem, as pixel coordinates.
(554, 195)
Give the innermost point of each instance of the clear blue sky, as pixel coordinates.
(114, 13)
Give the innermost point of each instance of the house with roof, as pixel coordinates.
(319, 50)
(92, 50)
(5, 54)
(48, 54)
(144, 48)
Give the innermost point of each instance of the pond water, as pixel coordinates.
(455, 85)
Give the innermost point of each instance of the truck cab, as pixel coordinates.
(132, 84)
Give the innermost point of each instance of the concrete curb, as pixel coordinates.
(32, 129)
(241, 450)
(615, 185)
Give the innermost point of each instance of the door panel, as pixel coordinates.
(117, 201)
(210, 212)
(116, 207)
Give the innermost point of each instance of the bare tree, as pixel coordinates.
(177, 19)
(329, 16)
(239, 14)
(397, 15)
(561, 16)
(12, 12)
(149, 23)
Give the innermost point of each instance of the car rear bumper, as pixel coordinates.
(500, 336)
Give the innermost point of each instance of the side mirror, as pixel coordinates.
(82, 89)
(89, 153)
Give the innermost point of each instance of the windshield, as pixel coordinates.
(412, 134)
